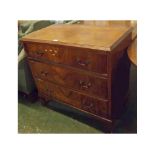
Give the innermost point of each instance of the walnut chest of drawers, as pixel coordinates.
(82, 66)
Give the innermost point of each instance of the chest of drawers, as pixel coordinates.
(82, 66)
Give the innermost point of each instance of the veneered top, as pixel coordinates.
(88, 36)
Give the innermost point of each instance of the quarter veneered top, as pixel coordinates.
(88, 36)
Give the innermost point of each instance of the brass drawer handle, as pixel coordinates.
(88, 106)
(40, 53)
(82, 63)
(53, 52)
(84, 84)
(45, 73)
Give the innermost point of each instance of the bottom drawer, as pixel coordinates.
(88, 104)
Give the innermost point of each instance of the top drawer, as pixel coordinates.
(76, 57)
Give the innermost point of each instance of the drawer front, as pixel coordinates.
(94, 106)
(70, 78)
(76, 57)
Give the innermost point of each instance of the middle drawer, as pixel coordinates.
(70, 78)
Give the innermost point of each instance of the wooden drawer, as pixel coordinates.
(70, 78)
(92, 105)
(76, 57)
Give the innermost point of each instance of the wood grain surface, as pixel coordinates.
(89, 104)
(91, 60)
(70, 78)
(86, 36)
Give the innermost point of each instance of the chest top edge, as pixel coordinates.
(98, 38)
